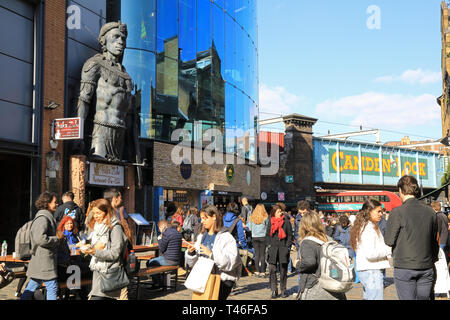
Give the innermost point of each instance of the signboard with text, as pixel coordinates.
(106, 175)
(353, 162)
(68, 129)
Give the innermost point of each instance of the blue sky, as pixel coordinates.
(320, 59)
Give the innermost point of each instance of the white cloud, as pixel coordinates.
(379, 110)
(417, 76)
(278, 100)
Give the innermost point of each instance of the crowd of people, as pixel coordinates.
(246, 239)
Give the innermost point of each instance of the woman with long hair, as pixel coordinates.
(107, 248)
(279, 235)
(257, 223)
(311, 237)
(68, 227)
(371, 251)
(178, 216)
(219, 245)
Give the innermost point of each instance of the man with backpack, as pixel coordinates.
(44, 243)
(246, 210)
(233, 222)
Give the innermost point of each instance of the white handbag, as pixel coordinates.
(198, 277)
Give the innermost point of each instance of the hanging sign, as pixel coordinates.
(67, 129)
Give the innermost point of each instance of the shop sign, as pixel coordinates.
(263, 196)
(68, 129)
(289, 179)
(185, 169)
(370, 164)
(106, 174)
(280, 196)
(229, 172)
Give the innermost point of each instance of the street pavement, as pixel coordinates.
(248, 288)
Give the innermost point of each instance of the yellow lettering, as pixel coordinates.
(362, 163)
(341, 156)
(377, 163)
(333, 161)
(421, 169)
(413, 167)
(348, 163)
(369, 167)
(387, 165)
(356, 163)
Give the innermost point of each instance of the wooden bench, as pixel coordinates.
(162, 270)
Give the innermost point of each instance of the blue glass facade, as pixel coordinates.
(191, 61)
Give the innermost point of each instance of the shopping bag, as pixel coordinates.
(197, 279)
(442, 285)
(211, 291)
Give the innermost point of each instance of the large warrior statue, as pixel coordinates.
(106, 86)
(104, 77)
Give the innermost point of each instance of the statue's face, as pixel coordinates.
(116, 41)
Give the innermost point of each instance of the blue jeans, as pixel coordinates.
(50, 285)
(414, 284)
(373, 286)
(159, 261)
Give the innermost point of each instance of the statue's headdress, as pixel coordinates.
(109, 26)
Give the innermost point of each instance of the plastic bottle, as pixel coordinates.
(4, 248)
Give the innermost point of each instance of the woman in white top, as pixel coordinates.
(219, 245)
(371, 251)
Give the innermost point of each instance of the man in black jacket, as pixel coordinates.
(411, 231)
(442, 222)
(71, 209)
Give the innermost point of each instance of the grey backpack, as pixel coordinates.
(22, 244)
(336, 272)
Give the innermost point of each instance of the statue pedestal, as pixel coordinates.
(104, 175)
(77, 181)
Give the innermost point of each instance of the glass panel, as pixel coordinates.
(238, 76)
(167, 28)
(252, 24)
(218, 34)
(166, 103)
(230, 49)
(140, 18)
(141, 67)
(204, 39)
(219, 3)
(230, 7)
(187, 97)
(242, 13)
(217, 55)
(254, 75)
(230, 117)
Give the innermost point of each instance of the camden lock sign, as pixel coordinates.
(106, 175)
(349, 163)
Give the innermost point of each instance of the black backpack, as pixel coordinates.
(232, 229)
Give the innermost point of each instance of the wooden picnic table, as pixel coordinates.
(141, 248)
(9, 258)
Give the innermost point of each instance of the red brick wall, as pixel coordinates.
(54, 65)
